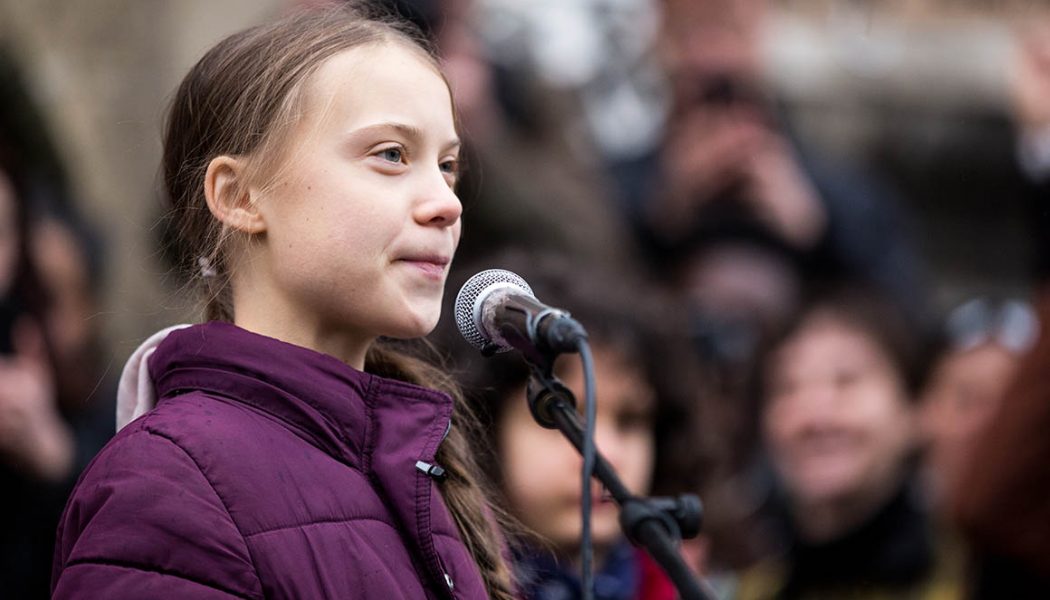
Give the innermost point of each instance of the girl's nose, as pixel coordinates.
(440, 206)
(609, 443)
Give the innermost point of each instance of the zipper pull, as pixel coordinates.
(436, 472)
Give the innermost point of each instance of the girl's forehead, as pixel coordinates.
(358, 88)
(384, 74)
(390, 59)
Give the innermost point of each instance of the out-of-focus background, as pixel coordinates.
(914, 90)
(843, 206)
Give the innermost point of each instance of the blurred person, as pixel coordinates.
(723, 137)
(53, 398)
(69, 259)
(1030, 98)
(37, 443)
(740, 274)
(837, 389)
(54, 392)
(739, 283)
(742, 217)
(533, 174)
(34, 438)
(283, 449)
(985, 341)
(729, 154)
(1002, 497)
(646, 427)
(1029, 94)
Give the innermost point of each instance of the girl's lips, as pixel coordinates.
(599, 497)
(433, 267)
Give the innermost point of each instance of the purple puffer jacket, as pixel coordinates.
(266, 471)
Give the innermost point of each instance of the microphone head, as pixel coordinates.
(471, 300)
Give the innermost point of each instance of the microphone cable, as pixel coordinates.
(589, 451)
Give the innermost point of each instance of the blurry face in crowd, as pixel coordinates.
(542, 470)
(837, 421)
(63, 271)
(9, 235)
(712, 39)
(742, 291)
(361, 222)
(963, 394)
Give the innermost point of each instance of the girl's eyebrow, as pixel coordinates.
(411, 132)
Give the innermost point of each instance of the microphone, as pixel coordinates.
(496, 311)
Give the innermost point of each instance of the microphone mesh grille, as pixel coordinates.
(475, 287)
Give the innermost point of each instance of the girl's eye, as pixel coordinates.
(634, 420)
(394, 155)
(450, 166)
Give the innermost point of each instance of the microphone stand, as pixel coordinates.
(655, 524)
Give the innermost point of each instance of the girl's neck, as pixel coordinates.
(262, 307)
(313, 335)
(574, 561)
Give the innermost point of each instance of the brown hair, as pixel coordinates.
(240, 99)
(901, 337)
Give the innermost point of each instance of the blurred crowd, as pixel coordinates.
(56, 405)
(760, 314)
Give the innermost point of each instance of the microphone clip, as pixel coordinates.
(546, 393)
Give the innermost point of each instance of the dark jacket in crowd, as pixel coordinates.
(30, 508)
(895, 553)
(266, 470)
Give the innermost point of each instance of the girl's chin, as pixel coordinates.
(605, 530)
(416, 326)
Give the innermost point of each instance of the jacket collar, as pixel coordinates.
(323, 400)
(893, 547)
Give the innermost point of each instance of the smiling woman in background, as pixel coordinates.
(839, 424)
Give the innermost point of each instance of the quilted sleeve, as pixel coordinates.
(145, 522)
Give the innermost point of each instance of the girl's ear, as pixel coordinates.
(226, 190)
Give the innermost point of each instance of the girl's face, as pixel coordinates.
(361, 217)
(837, 421)
(542, 470)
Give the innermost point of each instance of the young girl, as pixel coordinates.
(311, 165)
(643, 427)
